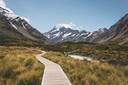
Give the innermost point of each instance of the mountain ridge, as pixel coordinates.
(19, 27)
(116, 34)
(65, 33)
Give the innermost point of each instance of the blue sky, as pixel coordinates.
(90, 15)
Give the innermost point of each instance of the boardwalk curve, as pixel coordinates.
(53, 73)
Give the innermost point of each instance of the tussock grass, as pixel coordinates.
(86, 73)
(18, 66)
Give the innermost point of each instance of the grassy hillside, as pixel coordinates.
(86, 73)
(18, 66)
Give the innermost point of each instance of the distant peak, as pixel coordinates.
(65, 25)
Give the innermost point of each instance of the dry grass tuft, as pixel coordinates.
(18, 66)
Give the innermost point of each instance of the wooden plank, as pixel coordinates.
(53, 73)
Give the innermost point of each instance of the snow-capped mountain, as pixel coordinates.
(66, 32)
(18, 24)
(71, 33)
(14, 28)
(116, 34)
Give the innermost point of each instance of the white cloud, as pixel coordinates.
(3, 5)
(26, 19)
(11, 13)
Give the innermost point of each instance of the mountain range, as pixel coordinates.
(15, 29)
(116, 34)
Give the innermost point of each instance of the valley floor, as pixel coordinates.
(82, 72)
(19, 66)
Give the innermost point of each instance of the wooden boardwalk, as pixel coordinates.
(53, 73)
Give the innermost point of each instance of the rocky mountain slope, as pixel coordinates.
(117, 34)
(16, 29)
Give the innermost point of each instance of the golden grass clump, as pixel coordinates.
(18, 66)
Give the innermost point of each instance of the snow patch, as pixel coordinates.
(66, 25)
(57, 35)
(24, 18)
(66, 35)
(13, 26)
(23, 26)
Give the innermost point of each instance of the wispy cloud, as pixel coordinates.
(12, 14)
(3, 5)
